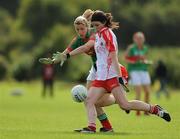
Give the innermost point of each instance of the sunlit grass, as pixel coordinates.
(30, 116)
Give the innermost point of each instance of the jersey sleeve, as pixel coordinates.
(107, 35)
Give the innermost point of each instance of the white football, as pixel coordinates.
(79, 93)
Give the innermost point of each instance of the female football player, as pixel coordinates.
(84, 34)
(136, 57)
(108, 74)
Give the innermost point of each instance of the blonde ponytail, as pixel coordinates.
(85, 18)
(87, 14)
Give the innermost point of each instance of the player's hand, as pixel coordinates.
(142, 57)
(45, 60)
(121, 81)
(59, 58)
(148, 62)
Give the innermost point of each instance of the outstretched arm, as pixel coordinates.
(62, 57)
(84, 48)
(70, 46)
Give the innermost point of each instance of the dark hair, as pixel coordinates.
(104, 18)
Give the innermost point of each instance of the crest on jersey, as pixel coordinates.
(101, 43)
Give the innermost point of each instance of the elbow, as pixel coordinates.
(84, 49)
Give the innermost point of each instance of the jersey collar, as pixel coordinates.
(103, 29)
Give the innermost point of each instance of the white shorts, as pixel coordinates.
(92, 74)
(139, 78)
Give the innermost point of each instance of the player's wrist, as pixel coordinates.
(121, 81)
(68, 55)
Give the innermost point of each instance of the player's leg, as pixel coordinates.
(101, 115)
(137, 89)
(106, 100)
(164, 88)
(146, 81)
(51, 88)
(146, 89)
(136, 82)
(94, 93)
(121, 99)
(44, 88)
(158, 92)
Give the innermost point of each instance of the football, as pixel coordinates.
(79, 93)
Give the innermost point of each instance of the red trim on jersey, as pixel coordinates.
(124, 71)
(133, 58)
(106, 34)
(69, 49)
(103, 29)
(109, 40)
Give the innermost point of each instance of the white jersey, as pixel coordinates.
(105, 42)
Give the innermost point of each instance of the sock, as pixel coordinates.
(92, 126)
(154, 110)
(104, 121)
(138, 113)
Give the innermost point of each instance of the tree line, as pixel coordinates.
(30, 29)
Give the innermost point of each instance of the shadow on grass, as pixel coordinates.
(51, 131)
(108, 134)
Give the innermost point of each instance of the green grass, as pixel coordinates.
(31, 117)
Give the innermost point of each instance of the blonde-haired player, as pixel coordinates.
(108, 75)
(84, 34)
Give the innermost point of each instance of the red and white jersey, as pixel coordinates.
(105, 42)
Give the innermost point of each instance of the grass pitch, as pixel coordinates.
(29, 116)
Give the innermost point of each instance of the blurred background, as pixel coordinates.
(29, 29)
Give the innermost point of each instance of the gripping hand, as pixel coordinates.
(121, 81)
(59, 58)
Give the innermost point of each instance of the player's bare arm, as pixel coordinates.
(86, 47)
(66, 51)
(115, 62)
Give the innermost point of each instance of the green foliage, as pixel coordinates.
(11, 6)
(18, 38)
(46, 26)
(55, 40)
(5, 24)
(38, 16)
(22, 68)
(158, 19)
(78, 68)
(11, 36)
(3, 67)
(170, 56)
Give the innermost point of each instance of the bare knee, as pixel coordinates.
(100, 103)
(89, 101)
(124, 105)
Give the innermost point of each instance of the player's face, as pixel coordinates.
(139, 40)
(81, 30)
(97, 25)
